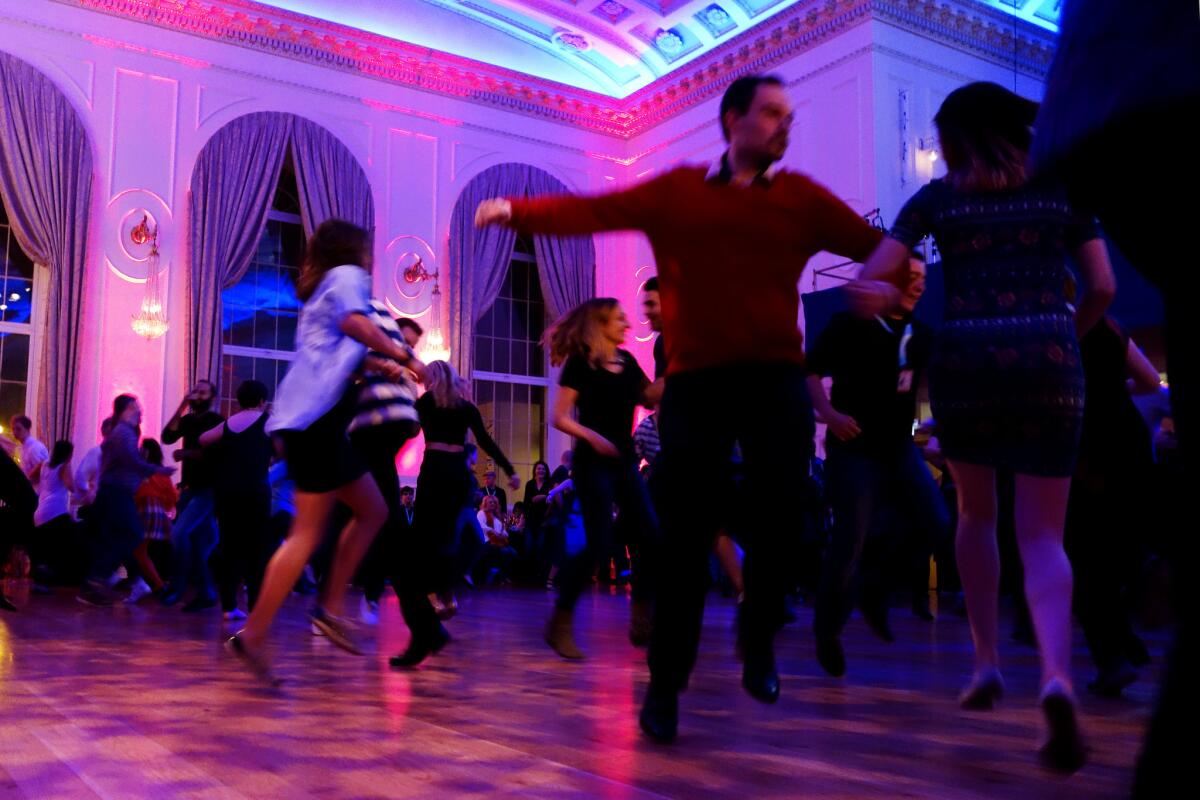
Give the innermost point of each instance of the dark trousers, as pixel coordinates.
(858, 485)
(120, 531)
(245, 545)
(1131, 203)
(55, 549)
(697, 429)
(379, 446)
(1101, 531)
(443, 491)
(598, 484)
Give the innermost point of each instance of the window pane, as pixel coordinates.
(537, 361)
(12, 401)
(501, 360)
(14, 358)
(16, 300)
(285, 338)
(19, 264)
(520, 361)
(483, 353)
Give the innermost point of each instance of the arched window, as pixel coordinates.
(260, 311)
(511, 378)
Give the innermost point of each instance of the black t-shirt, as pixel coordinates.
(450, 426)
(606, 399)
(197, 473)
(876, 365)
(660, 358)
(1113, 429)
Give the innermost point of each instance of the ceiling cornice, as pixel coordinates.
(963, 25)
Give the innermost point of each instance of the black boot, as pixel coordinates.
(420, 648)
(660, 714)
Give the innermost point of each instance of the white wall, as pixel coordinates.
(151, 99)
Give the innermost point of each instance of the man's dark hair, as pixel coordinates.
(406, 490)
(22, 420)
(740, 96)
(212, 387)
(411, 324)
(651, 285)
(250, 394)
(122, 402)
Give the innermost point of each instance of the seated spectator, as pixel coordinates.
(493, 559)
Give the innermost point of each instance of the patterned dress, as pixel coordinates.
(1006, 381)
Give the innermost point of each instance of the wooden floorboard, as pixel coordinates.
(141, 702)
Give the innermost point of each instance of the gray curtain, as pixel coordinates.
(46, 187)
(331, 182)
(479, 258)
(232, 187)
(566, 264)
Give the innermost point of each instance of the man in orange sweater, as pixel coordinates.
(730, 242)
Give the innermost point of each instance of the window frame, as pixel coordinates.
(547, 381)
(35, 328)
(227, 394)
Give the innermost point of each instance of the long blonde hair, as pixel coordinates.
(443, 383)
(577, 333)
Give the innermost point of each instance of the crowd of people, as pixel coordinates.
(306, 488)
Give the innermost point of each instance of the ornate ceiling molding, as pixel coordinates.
(961, 24)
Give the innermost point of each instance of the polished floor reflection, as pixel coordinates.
(140, 702)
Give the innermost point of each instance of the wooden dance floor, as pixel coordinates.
(140, 702)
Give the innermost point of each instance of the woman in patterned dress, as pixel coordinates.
(1006, 381)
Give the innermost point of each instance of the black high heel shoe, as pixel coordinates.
(983, 692)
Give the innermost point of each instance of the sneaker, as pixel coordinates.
(339, 630)
(368, 611)
(255, 661)
(236, 615)
(136, 592)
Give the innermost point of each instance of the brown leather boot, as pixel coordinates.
(560, 635)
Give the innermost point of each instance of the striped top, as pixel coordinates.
(380, 400)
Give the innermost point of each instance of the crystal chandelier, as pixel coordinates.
(434, 348)
(151, 319)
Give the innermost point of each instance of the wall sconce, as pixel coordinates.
(928, 148)
(433, 347)
(151, 319)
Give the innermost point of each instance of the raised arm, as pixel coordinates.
(635, 208)
(359, 327)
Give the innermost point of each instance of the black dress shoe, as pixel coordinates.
(759, 677)
(876, 617)
(421, 648)
(1136, 652)
(1113, 679)
(5, 605)
(660, 715)
(170, 597)
(199, 604)
(830, 655)
(920, 607)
